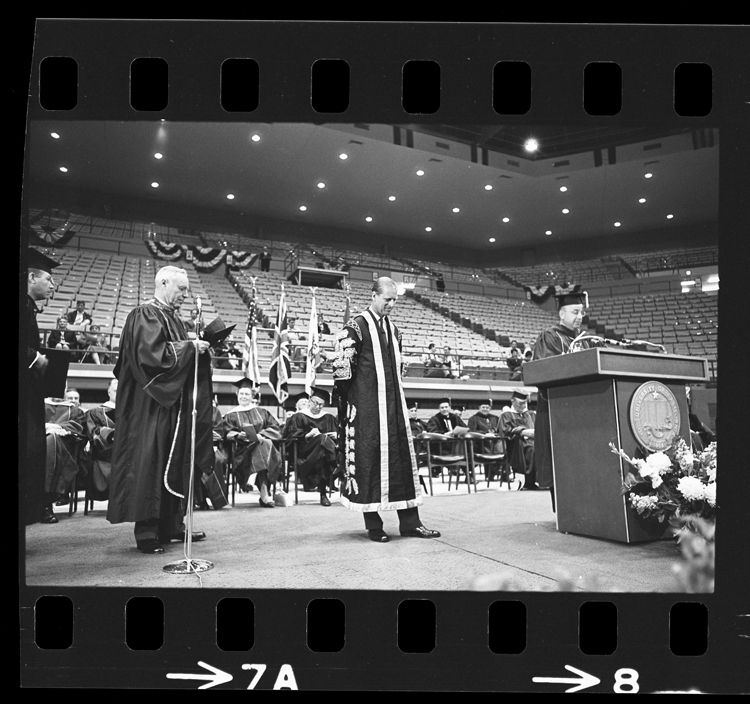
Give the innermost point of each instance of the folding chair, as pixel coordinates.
(499, 455)
(438, 460)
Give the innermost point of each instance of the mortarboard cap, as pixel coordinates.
(576, 298)
(520, 393)
(244, 382)
(37, 260)
(485, 401)
(216, 332)
(445, 399)
(412, 404)
(290, 404)
(322, 394)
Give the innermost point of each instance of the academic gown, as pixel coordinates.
(32, 465)
(552, 341)
(63, 451)
(100, 428)
(258, 456)
(380, 464)
(151, 454)
(219, 459)
(444, 424)
(316, 456)
(520, 449)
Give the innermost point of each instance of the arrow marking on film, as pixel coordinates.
(583, 680)
(217, 676)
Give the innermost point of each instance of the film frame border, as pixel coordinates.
(465, 52)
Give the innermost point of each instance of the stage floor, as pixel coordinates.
(495, 539)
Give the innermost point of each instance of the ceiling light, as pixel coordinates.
(670, 216)
(320, 184)
(648, 174)
(641, 200)
(488, 187)
(391, 198)
(154, 184)
(428, 229)
(563, 189)
(158, 155)
(255, 137)
(565, 211)
(548, 232)
(368, 218)
(687, 273)
(64, 169)
(343, 156)
(456, 210)
(492, 239)
(506, 219)
(617, 223)
(531, 145)
(420, 172)
(230, 196)
(303, 208)
(54, 135)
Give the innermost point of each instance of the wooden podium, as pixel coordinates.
(592, 399)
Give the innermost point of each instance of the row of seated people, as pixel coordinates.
(77, 332)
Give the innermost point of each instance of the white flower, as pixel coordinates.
(649, 471)
(659, 462)
(691, 488)
(686, 462)
(709, 492)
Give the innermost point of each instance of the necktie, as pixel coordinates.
(383, 330)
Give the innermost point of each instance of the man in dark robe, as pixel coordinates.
(553, 341)
(483, 421)
(64, 428)
(218, 434)
(447, 422)
(156, 369)
(34, 366)
(100, 428)
(517, 425)
(315, 434)
(380, 465)
(253, 432)
(418, 426)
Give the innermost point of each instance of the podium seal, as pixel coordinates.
(654, 416)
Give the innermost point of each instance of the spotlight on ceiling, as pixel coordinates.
(506, 219)
(64, 169)
(154, 184)
(428, 229)
(303, 208)
(255, 137)
(456, 210)
(158, 155)
(563, 189)
(548, 232)
(531, 145)
(54, 135)
(392, 198)
(488, 187)
(230, 196)
(343, 156)
(641, 200)
(420, 172)
(565, 211)
(368, 218)
(617, 223)
(648, 174)
(670, 216)
(492, 239)
(320, 184)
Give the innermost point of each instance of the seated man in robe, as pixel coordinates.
(418, 426)
(65, 440)
(518, 427)
(100, 428)
(220, 461)
(447, 422)
(485, 422)
(253, 431)
(315, 433)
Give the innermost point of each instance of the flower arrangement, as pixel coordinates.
(672, 485)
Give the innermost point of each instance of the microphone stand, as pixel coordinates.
(188, 564)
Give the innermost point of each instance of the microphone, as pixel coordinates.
(199, 307)
(198, 304)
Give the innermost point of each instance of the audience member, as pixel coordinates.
(323, 328)
(93, 345)
(514, 363)
(61, 338)
(518, 427)
(191, 323)
(100, 428)
(315, 434)
(450, 366)
(80, 318)
(253, 431)
(485, 422)
(265, 260)
(432, 366)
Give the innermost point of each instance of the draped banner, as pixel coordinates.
(206, 258)
(540, 294)
(169, 251)
(241, 260)
(202, 258)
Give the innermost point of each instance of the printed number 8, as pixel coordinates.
(626, 681)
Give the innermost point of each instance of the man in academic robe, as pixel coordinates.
(447, 422)
(553, 341)
(484, 422)
(380, 464)
(315, 434)
(253, 431)
(34, 366)
(517, 425)
(418, 426)
(100, 428)
(156, 369)
(64, 428)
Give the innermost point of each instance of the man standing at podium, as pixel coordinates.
(551, 342)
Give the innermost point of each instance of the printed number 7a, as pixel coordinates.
(284, 680)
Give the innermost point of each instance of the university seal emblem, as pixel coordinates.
(654, 416)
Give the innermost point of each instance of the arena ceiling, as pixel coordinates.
(478, 182)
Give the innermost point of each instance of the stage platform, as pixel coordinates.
(492, 540)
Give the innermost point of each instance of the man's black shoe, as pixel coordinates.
(530, 487)
(379, 536)
(48, 516)
(196, 537)
(420, 532)
(324, 500)
(266, 504)
(150, 546)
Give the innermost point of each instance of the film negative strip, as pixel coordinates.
(506, 599)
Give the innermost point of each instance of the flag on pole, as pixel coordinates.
(313, 347)
(347, 312)
(280, 371)
(250, 368)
